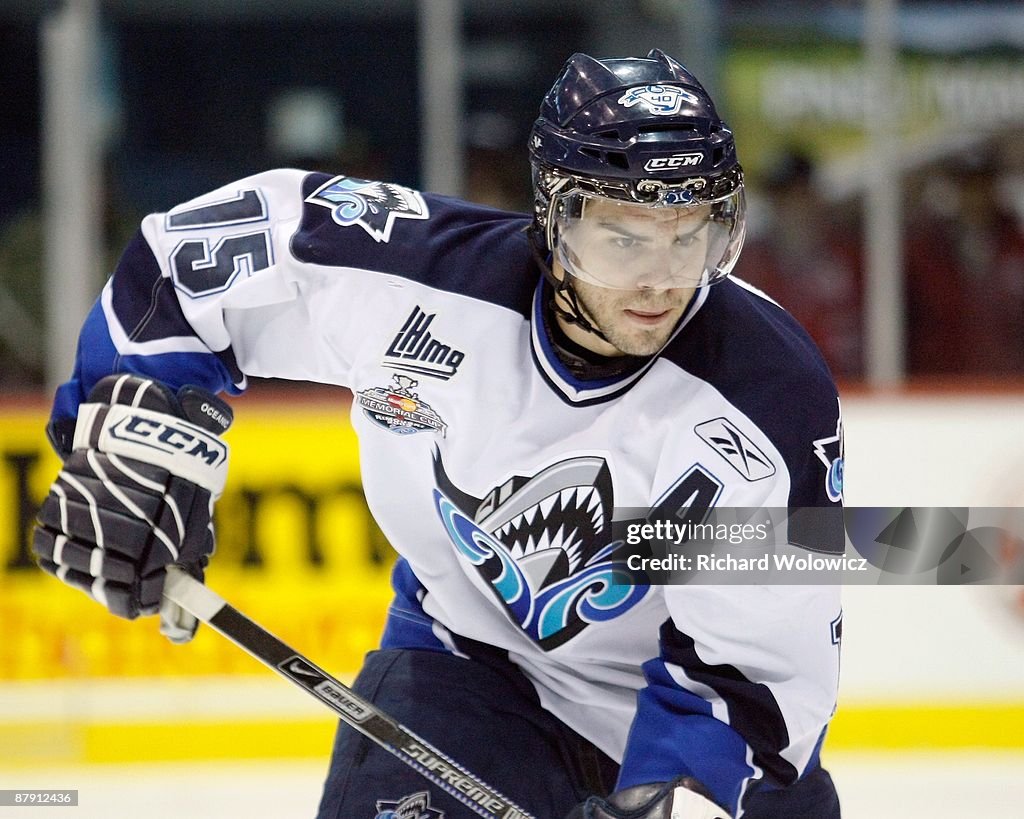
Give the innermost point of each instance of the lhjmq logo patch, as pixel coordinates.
(414, 806)
(415, 350)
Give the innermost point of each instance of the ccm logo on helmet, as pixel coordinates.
(671, 163)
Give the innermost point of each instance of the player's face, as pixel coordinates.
(634, 271)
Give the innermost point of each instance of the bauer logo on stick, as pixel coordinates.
(321, 684)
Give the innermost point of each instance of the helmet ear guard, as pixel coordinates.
(560, 287)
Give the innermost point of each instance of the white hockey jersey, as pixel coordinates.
(496, 474)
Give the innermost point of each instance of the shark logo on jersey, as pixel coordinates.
(830, 452)
(660, 100)
(398, 409)
(374, 206)
(544, 545)
(743, 455)
(415, 350)
(415, 806)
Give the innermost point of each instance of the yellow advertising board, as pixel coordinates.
(299, 553)
(297, 550)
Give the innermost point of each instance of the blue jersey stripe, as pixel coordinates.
(98, 356)
(408, 626)
(674, 733)
(753, 709)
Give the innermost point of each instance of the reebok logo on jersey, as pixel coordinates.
(743, 455)
(415, 350)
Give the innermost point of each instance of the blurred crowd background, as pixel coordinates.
(192, 94)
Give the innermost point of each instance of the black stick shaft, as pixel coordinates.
(206, 605)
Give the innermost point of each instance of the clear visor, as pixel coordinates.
(630, 246)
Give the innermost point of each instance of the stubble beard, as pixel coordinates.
(603, 307)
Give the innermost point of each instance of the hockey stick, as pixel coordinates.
(209, 607)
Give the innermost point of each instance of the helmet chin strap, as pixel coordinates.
(574, 314)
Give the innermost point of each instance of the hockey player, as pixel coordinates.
(517, 380)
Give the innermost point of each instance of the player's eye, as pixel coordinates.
(624, 242)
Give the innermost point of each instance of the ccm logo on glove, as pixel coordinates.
(164, 436)
(159, 438)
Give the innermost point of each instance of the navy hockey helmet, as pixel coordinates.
(640, 132)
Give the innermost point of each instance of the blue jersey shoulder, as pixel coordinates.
(766, 365)
(439, 241)
(749, 336)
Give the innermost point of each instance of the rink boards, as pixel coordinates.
(923, 668)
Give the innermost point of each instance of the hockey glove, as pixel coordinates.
(685, 798)
(136, 492)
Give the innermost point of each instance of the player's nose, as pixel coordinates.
(652, 277)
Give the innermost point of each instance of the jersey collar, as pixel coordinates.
(567, 386)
